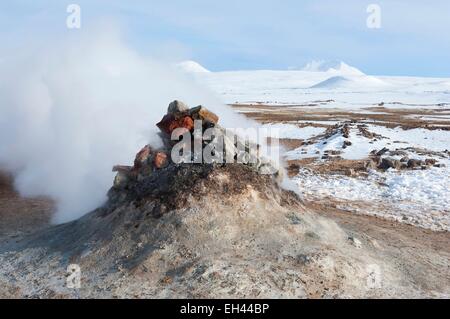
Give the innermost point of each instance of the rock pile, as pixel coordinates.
(385, 159)
(184, 126)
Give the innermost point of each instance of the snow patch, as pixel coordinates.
(434, 140)
(291, 131)
(419, 197)
(333, 83)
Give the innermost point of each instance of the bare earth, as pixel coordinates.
(21, 215)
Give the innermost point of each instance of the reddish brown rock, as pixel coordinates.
(169, 123)
(185, 122)
(164, 124)
(142, 156)
(160, 160)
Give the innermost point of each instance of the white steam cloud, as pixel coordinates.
(69, 113)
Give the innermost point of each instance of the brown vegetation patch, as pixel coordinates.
(379, 115)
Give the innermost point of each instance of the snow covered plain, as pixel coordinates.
(419, 197)
(345, 85)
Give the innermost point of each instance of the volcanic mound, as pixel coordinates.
(176, 230)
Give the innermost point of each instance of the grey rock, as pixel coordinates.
(121, 180)
(382, 151)
(387, 163)
(355, 242)
(413, 163)
(370, 165)
(177, 107)
(346, 144)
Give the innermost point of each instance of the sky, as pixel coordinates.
(414, 38)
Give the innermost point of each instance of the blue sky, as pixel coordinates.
(414, 38)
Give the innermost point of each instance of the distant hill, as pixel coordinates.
(338, 82)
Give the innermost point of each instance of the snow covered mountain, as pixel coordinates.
(332, 67)
(317, 81)
(191, 67)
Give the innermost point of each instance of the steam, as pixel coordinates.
(71, 112)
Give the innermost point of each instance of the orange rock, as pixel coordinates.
(207, 115)
(173, 125)
(187, 123)
(160, 160)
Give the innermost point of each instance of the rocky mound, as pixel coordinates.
(198, 230)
